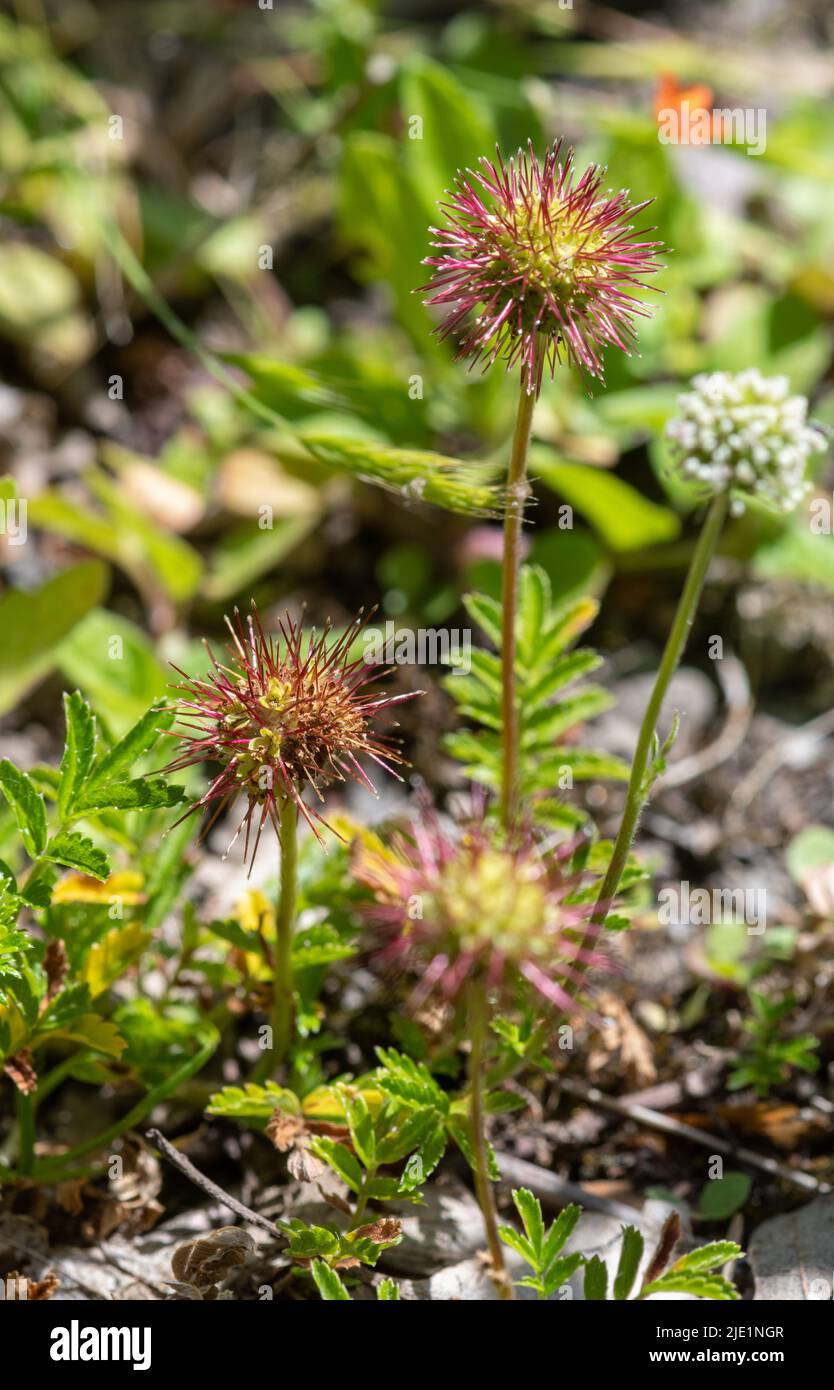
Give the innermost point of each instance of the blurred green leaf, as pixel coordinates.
(34, 622)
(247, 552)
(618, 513)
(446, 127)
(720, 1197)
(41, 307)
(113, 662)
(812, 848)
(123, 534)
(382, 212)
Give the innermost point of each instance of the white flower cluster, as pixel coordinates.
(746, 433)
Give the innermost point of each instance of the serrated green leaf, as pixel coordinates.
(27, 805)
(422, 1164)
(79, 750)
(138, 740)
(140, 794)
(328, 1283)
(388, 1291)
(396, 1140)
(712, 1286)
(319, 945)
(340, 1159)
(486, 613)
(707, 1257)
(409, 1081)
(252, 1101)
(559, 1273)
(533, 605)
(584, 764)
(630, 1256)
(529, 1209)
(361, 1125)
(306, 1241)
(519, 1243)
(596, 1280)
(77, 851)
(90, 1030)
(561, 1230)
(386, 1189)
(564, 670)
(541, 728)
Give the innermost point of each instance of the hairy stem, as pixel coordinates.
(478, 1020)
(513, 517)
(638, 790)
(283, 993)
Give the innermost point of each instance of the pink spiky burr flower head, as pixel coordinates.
(283, 718)
(460, 902)
(538, 264)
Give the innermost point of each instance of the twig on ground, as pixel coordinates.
(664, 1096)
(654, 1120)
(186, 1167)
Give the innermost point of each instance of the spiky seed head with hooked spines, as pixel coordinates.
(456, 900)
(282, 718)
(538, 264)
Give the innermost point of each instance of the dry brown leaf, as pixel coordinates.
(20, 1286)
(385, 1229)
(119, 1216)
(665, 1248)
(21, 1070)
(292, 1134)
(68, 1195)
(284, 1129)
(624, 1040)
(140, 1179)
(185, 1292)
(55, 965)
(42, 1289)
(783, 1124)
(304, 1165)
(208, 1259)
(336, 1202)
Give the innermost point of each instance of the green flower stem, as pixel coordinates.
(283, 991)
(513, 517)
(638, 786)
(26, 1133)
(478, 1021)
(59, 1073)
(362, 1198)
